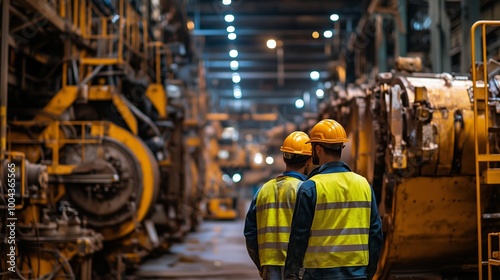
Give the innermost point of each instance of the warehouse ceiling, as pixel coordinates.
(272, 80)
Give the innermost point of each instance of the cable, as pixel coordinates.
(2, 185)
(143, 117)
(38, 239)
(65, 261)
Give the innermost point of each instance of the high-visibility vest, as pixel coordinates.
(341, 223)
(274, 205)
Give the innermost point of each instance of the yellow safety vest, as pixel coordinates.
(341, 224)
(275, 203)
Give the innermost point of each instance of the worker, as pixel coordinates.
(336, 230)
(267, 224)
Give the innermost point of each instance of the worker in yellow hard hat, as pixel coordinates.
(336, 231)
(267, 224)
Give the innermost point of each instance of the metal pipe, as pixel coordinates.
(75, 70)
(4, 72)
(142, 117)
(91, 75)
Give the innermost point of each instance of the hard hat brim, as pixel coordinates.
(336, 141)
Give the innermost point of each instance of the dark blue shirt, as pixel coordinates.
(303, 215)
(250, 230)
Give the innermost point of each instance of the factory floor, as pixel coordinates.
(215, 251)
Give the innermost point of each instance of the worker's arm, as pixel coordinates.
(250, 233)
(375, 240)
(303, 214)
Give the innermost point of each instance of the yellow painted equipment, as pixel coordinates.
(218, 197)
(106, 128)
(221, 209)
(413, 136)
(485, 81)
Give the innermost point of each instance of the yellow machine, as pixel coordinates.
(429, 145)
(219, 196)
(114, 130)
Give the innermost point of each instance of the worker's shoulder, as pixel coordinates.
(307, 185)
(358, 176)
(269, 183)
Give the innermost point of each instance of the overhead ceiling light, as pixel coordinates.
(226, 2)
(315, 34)
(320, 93)
(233, 53)
(299, 103)
(236, 177)
(226, 178)
(236, 78)
(257, 158)
(230, 29)
(334, 17)
(314, 75)
(237, 92)
(229, 18)
(328, 34)
(234, 65)
(269, 160)
(223, 154)
(231, 36)
(271, 43)
(190, 25)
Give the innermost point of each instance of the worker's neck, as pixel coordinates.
(299, 170)
(327, 159)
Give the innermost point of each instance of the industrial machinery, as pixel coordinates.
(105, 125)
(219, 194)
(424, 141)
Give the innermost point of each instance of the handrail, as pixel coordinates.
(480, 95)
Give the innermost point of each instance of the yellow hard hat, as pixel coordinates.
(328, 131)
(297, 143)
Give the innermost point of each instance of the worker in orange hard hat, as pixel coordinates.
(267, 224)
(336, 231)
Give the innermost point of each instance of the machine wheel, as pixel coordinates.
(114, 209)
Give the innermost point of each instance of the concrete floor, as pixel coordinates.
(216, 251)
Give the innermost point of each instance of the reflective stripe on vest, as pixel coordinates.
(275, 203)
(341, 224)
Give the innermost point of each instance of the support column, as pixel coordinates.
(470, 14)
(381, 44)
(401, 49)
(440, 37)
(4, 74)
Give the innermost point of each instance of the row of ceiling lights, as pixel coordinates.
(234, 65)
(271, 43)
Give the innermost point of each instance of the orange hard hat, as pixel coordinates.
(297, 143)
(328, 131)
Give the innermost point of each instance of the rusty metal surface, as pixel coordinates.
(216, 251)
(434, 223)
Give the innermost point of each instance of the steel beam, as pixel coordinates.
(270, 117)
(51, 15)
(255, 31)
(4, 75)
(235, 103)
(401, 41)
(469, 15)
(381, 44)
(256, 93)
(289, 56)
(265, 75)
(440, 36)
